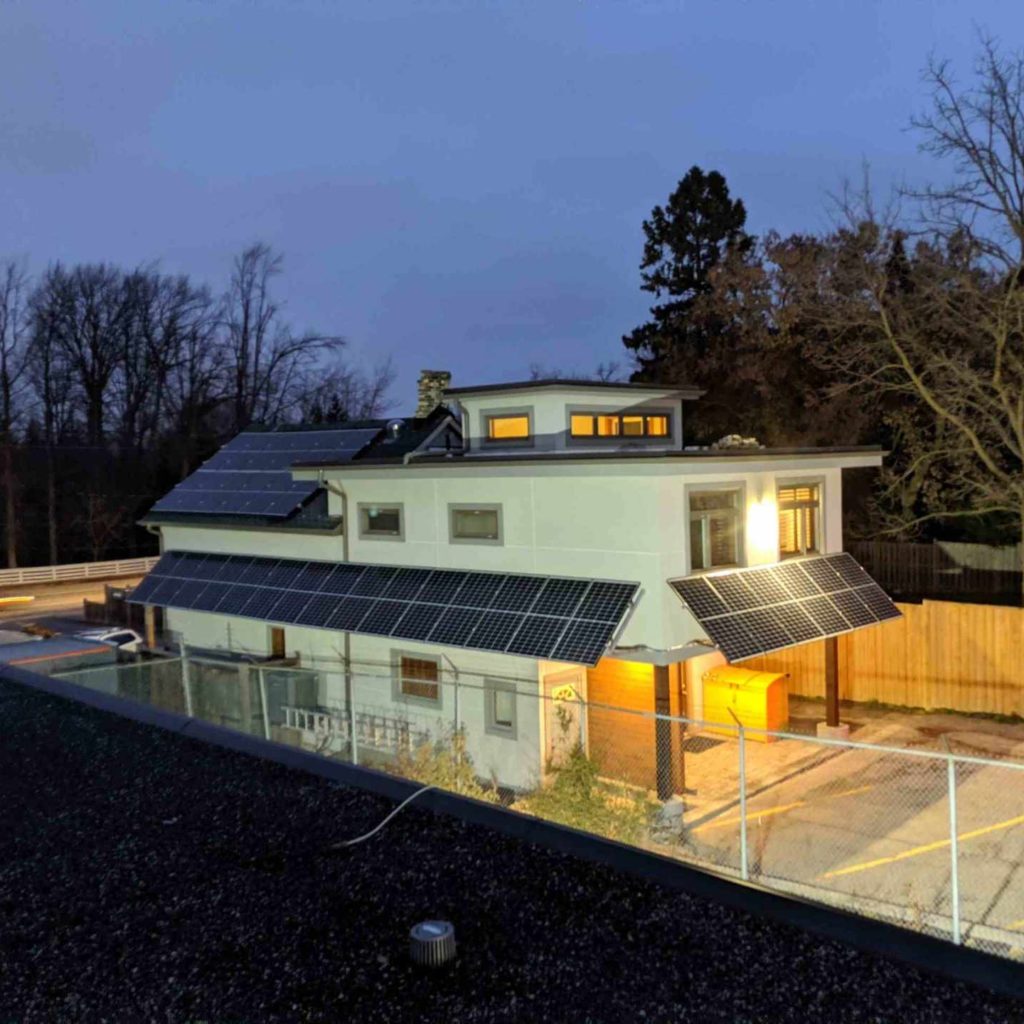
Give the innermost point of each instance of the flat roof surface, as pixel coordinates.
(686, 390)
(148, 876)
(619, 454)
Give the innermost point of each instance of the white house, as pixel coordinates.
(585, 480)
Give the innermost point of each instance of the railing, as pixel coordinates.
(77, 571)
(929, 839)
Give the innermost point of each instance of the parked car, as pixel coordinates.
(123, 639)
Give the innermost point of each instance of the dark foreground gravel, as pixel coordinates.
(148, 877)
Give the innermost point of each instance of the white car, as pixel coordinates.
(123, 639)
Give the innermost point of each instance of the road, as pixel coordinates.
(57, 606)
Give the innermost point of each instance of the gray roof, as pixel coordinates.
(683, 390)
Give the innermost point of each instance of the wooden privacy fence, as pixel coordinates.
(77, 571)
(939, 654)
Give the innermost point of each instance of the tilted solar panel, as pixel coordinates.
(561, 618)
(754, 611)
(251, 474)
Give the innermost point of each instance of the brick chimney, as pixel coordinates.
(431, 390)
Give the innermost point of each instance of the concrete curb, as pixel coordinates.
(921, 951)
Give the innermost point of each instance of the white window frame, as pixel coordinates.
(492, 726)
(399, 695)
(738, 487)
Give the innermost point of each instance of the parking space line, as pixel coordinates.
(926, 848)
(751, 815)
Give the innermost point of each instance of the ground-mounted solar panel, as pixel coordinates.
(251, 474)
(550, 617)
(747, 612)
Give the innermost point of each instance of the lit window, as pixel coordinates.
(799, 520)
(714, 529)
(508, 428)
(501, 707)
(380, 521)
(618, 425)
(476, 523)
(419, 678)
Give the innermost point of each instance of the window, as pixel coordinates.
(418, 678)
(593, 424)
(714, 529)
(508, 428)
(475, 524)
(799, 519)
(500, 697)
(381, 521)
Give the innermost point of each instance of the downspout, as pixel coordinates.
(346, 643)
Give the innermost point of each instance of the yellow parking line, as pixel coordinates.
(777, 810)
(926, 848)
(1016, 925)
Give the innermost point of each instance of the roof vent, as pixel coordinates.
(395, 429)
(432, 943)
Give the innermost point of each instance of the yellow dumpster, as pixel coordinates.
(759, 700)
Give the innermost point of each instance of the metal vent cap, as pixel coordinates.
(432, 943)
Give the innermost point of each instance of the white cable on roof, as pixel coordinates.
(352, 842)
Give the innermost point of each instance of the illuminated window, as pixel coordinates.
(500, 699)
(618, 425)
(508, 428)
(380, 521)
(418, 678)
(714, 529)
(799, 520)
(475, 524)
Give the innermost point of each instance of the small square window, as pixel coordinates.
(657, 426)
(381, 521)
(501, 707)
(475, 524)
(608, 426)
(581, 425)
(418, 679)
(799, 520)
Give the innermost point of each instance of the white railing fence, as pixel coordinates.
(77, 571)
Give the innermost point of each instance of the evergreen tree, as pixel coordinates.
(685, 240)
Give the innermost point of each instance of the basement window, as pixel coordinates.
(799, 519)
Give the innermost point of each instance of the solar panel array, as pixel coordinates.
(755, 611)
(552, 617)
(250, 474)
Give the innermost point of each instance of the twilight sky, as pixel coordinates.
(457, 183)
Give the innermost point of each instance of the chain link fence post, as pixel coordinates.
(744, 865)
(954, 850)
(186, 680)
(353, 744)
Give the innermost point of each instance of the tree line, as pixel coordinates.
(901, 326)
(117, 383)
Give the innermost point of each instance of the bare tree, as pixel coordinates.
(12, 381)
(270, 367)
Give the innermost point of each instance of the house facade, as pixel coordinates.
(576, 480)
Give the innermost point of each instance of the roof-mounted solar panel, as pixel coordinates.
(251, 474)
(549, 617)
(747, 612)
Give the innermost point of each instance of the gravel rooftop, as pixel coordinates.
(145, 876)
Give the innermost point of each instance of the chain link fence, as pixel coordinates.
(929, 840)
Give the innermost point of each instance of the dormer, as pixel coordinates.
(571, 416)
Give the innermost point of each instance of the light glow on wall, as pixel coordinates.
(762, 531)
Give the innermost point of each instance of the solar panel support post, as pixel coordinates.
(832, 681)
